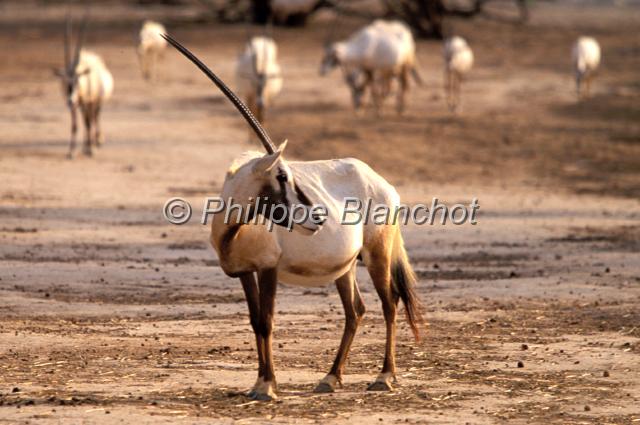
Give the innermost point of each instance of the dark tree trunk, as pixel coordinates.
(260, 11)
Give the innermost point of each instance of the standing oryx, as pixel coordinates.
(318, 252)
(258, 74)
(586, 59)
(458, 60)
(372, 58)
(151, 47)
(86, 84)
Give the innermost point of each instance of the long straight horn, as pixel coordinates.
(67, 40)
(241, 107)
(81, 34)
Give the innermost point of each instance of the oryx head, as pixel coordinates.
(331, 58)
(267, 177)
(69, 74)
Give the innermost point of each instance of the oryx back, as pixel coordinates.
(458, 56)
(95, 82)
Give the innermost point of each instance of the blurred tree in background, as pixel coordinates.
(426, 17)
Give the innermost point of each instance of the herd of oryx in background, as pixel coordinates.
(371, 60)
(318, 249)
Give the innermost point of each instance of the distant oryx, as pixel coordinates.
(258, 74)
(458, 60)
(86, 84)
(151, 48)
(318, 252)
(372, 58)
(586, 59)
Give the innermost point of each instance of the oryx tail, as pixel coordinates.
(404, 281)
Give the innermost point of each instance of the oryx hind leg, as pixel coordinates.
(403, 80)
(378, 263)
(353, 310)
(97, 129)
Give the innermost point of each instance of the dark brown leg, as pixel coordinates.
(402, 90)
(353, 310)
(74, 131)
(457, 82)
(579, 86)
(267, 283)
(260, 113)
(97, 131)
(379, 269)
(87, 116)
(367, 84)
(252, 296)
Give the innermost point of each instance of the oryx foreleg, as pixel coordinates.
(353, 310)
(456, 91)
(252, 296)
(74, 131)
(447, 87)
(87, 115)
(265, 388)
(380, 271)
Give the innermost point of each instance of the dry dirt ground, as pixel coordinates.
(109, 314)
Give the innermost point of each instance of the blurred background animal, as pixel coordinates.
(458, 61)
(586, 59)
(151, 48)
(86, 85)
(258, 74)
(372, 58)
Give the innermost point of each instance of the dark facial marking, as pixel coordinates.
(271, 198)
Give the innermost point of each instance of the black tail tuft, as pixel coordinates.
(404, 281)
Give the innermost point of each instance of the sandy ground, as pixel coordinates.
(110, 314)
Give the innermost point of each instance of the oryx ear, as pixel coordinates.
(266, 163)
(282, 146)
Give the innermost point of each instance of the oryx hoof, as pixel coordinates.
(328, 384)
(323, 388)
(263, 391)
(380, 386)
(254, 395)
(71, 155)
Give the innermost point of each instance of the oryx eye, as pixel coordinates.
(282, 178)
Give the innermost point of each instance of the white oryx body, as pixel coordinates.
(258, 74)
(382, 51)
(458, 61)
(334, 247)
(586, 59)
(151, 47)
(86, 84)
(317, 251)
(95, 82)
